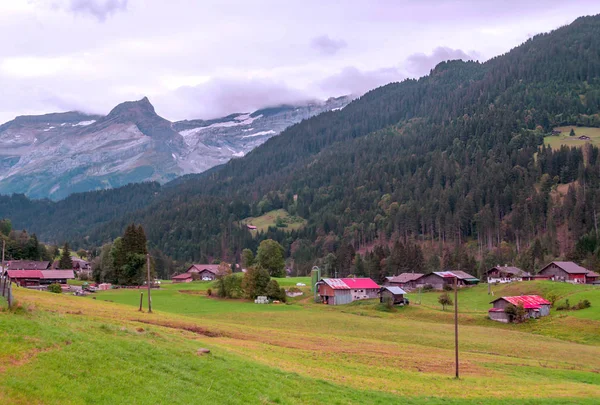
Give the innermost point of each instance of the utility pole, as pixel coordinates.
(149, 299)
(456, 323)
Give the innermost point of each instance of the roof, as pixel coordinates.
(360, 283)
(406, 277)
(461, 275)
(213, 268)
(54, 274)
(515, 271)
(335, 283)
(592, 274)
(394, 290)
(569, 267)
(182, 276)
(26, 265)
(528, 301)
(25, 274)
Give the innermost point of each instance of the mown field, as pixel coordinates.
(269, 219)
(65, 349)
(556, 141)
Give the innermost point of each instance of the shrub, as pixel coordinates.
(448, 287)
(515, 313)
(552, 298)
(209, 292)
(565, 306)
(427, 287)
(273, 290)
(445, 300)
(55, 288)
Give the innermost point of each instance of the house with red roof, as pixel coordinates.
(566, 271)
(535, 307)
(34, 278)
(339, 291)
(183, 278)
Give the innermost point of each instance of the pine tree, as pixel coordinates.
(65, 262)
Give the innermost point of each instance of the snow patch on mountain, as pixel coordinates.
(269, 132)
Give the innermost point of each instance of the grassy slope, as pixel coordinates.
(556, 141)
(266, 220)
(298, 354)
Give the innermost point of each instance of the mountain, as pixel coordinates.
(454, 162)
(55, 155)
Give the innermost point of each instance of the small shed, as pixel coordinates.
(392, 292)
(333, 291)
(182, 278)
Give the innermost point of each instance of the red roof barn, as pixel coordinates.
(534, 305)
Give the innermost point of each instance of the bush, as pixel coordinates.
(515, 313)
(448, 287)
(55, 288)
(565, 306)
(580, 305)
(427, 287)
(445, 300)
(209, 292)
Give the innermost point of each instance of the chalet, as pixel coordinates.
(338, 291)
(534, 305)
(392, 292)
(584, 138)
(505, 274)
(27, 265)
(405, 280)
(251, 227)
(182, 278)
(32, 278)
(440, 279)
(565, 271)
(205, 271)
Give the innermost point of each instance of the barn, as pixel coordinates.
(534, 305)
(333, 291)
(396, 294)
(182, 278)
(407, 281)
(506, 274)
(440, 279)
(362, 288)
(34, 278)
(565, 271)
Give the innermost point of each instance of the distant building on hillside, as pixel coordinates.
(440, 279)
(251, 227)
(205, 272)
(396, 294)
(506, 274)
(339, 291)
(534, 305)
(407, 281)
(27, 265)
(567, 271)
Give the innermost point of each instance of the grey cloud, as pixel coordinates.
(420, 64)
(351, 80)
(327, 46)
(220, 97)
(101, 9)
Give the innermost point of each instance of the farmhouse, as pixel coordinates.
(34, 278)
(584, 138)
(205, 271)
(505, 274)
(565, 271)
(396, 294)
(405, 280)
(535, 307)
(182, 278)
(338, 291)
(440, 279)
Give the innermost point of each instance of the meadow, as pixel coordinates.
(556, 141)
(269, 219)
(66, 349)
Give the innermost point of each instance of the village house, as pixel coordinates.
(506, 274)
(566, 271)
(396, 294)
(441, 279)
(535, 307)
(205, 272)
(407, 281)
(339, 291)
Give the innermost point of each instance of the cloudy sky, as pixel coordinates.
(203, 59)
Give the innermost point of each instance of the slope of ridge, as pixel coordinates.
(448, 156)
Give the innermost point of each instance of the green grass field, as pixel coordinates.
(263, 222)
(556, 141)
(59, 349)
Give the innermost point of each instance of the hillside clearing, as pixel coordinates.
(556, 141)
(269, 219)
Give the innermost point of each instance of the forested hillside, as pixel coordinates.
(452, 161)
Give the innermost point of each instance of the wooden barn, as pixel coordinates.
(407, 281)
(333, 291)
(506, 274)
(440, 279)
(534, 305)
(396, 294)
(34, 278)
(565, 271)
(182, 278)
